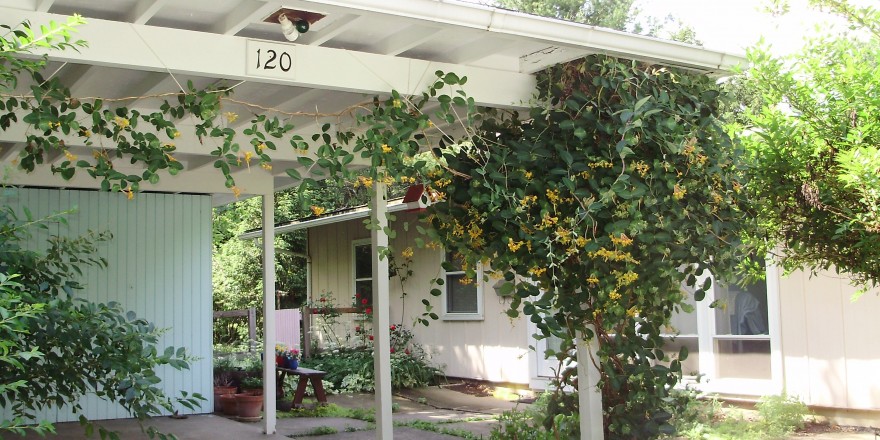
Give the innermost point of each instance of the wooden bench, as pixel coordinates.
(305, 375)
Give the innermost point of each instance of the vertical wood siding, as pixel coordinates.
(493, 349)
(829, 343)
(159, 267)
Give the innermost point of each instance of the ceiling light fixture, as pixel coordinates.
(291, 30)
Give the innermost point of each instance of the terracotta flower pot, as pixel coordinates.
(219, 391)
(229, 405)
(249, 406)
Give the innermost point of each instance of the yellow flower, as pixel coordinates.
(260, 147)
(622, 241)
(528, 175)
(236, 191)
(474, 231)
(514, 245)
(70, 156)
(170, 158)
(407, 253)
(385, 148)
(230, 116)
(582, 241)
(266, 166)
(247, 157)
(632, 312)
(128, 193)
(317, 210)
(176, 134)
(614, 295)
(528, 200)
(121, 122)
(553, 195)
(537, 271)
(678, 192)
(593, 281)
(396, 103)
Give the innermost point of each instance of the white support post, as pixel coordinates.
(381, 312)
(269, 313)
(589, 395)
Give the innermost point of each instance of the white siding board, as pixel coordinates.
(168, 284)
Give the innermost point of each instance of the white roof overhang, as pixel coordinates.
(329, 219)
(358, 49)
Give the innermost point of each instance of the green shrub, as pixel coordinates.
(540, 421)
(351, 369)
(782, 415)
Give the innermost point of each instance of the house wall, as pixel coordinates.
(159, 267)
(494, 349)
(829, 342)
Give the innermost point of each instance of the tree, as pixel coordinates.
(612, 14)
(622, 15)
(813, 148)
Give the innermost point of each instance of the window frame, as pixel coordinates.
(478, 282)
(354, 245)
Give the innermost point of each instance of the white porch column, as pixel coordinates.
(589, 395)
(269, 313)
(381, 310)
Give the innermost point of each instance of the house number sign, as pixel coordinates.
(271, 60)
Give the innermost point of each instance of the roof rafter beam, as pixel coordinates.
(405, 40)
(151, 48)
(243, 15)
(144, 10)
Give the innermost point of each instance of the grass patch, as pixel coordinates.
(331, 410)
(440, 429)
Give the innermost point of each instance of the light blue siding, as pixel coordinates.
(159, 267)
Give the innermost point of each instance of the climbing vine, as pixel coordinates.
(614, 189)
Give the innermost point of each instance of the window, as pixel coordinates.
(362, 259)
(733, 342)
(463, 299)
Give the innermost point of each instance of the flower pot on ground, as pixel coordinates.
(219, 391)
(229, 405)
(284, 403)
(249, 406)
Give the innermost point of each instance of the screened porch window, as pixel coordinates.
(463, 296)
(363, 273)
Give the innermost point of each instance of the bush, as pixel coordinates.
(539, 421)
(351, 369)
(778, 417)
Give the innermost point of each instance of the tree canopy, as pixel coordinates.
(813, 148)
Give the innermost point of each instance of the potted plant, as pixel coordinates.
(228, 404)
(252, 385)
(250, 401)
(291, 359)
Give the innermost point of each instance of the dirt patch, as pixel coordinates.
(473, 388)
(812, 428)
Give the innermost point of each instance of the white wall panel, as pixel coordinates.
(159, 267)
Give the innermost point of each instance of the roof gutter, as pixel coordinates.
(589, 39)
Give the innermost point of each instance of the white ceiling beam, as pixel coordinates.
(244, 14)
(144, 10)
(405, 40)
(158, 49)
(203, 181)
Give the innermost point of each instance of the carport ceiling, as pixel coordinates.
(357, 48)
